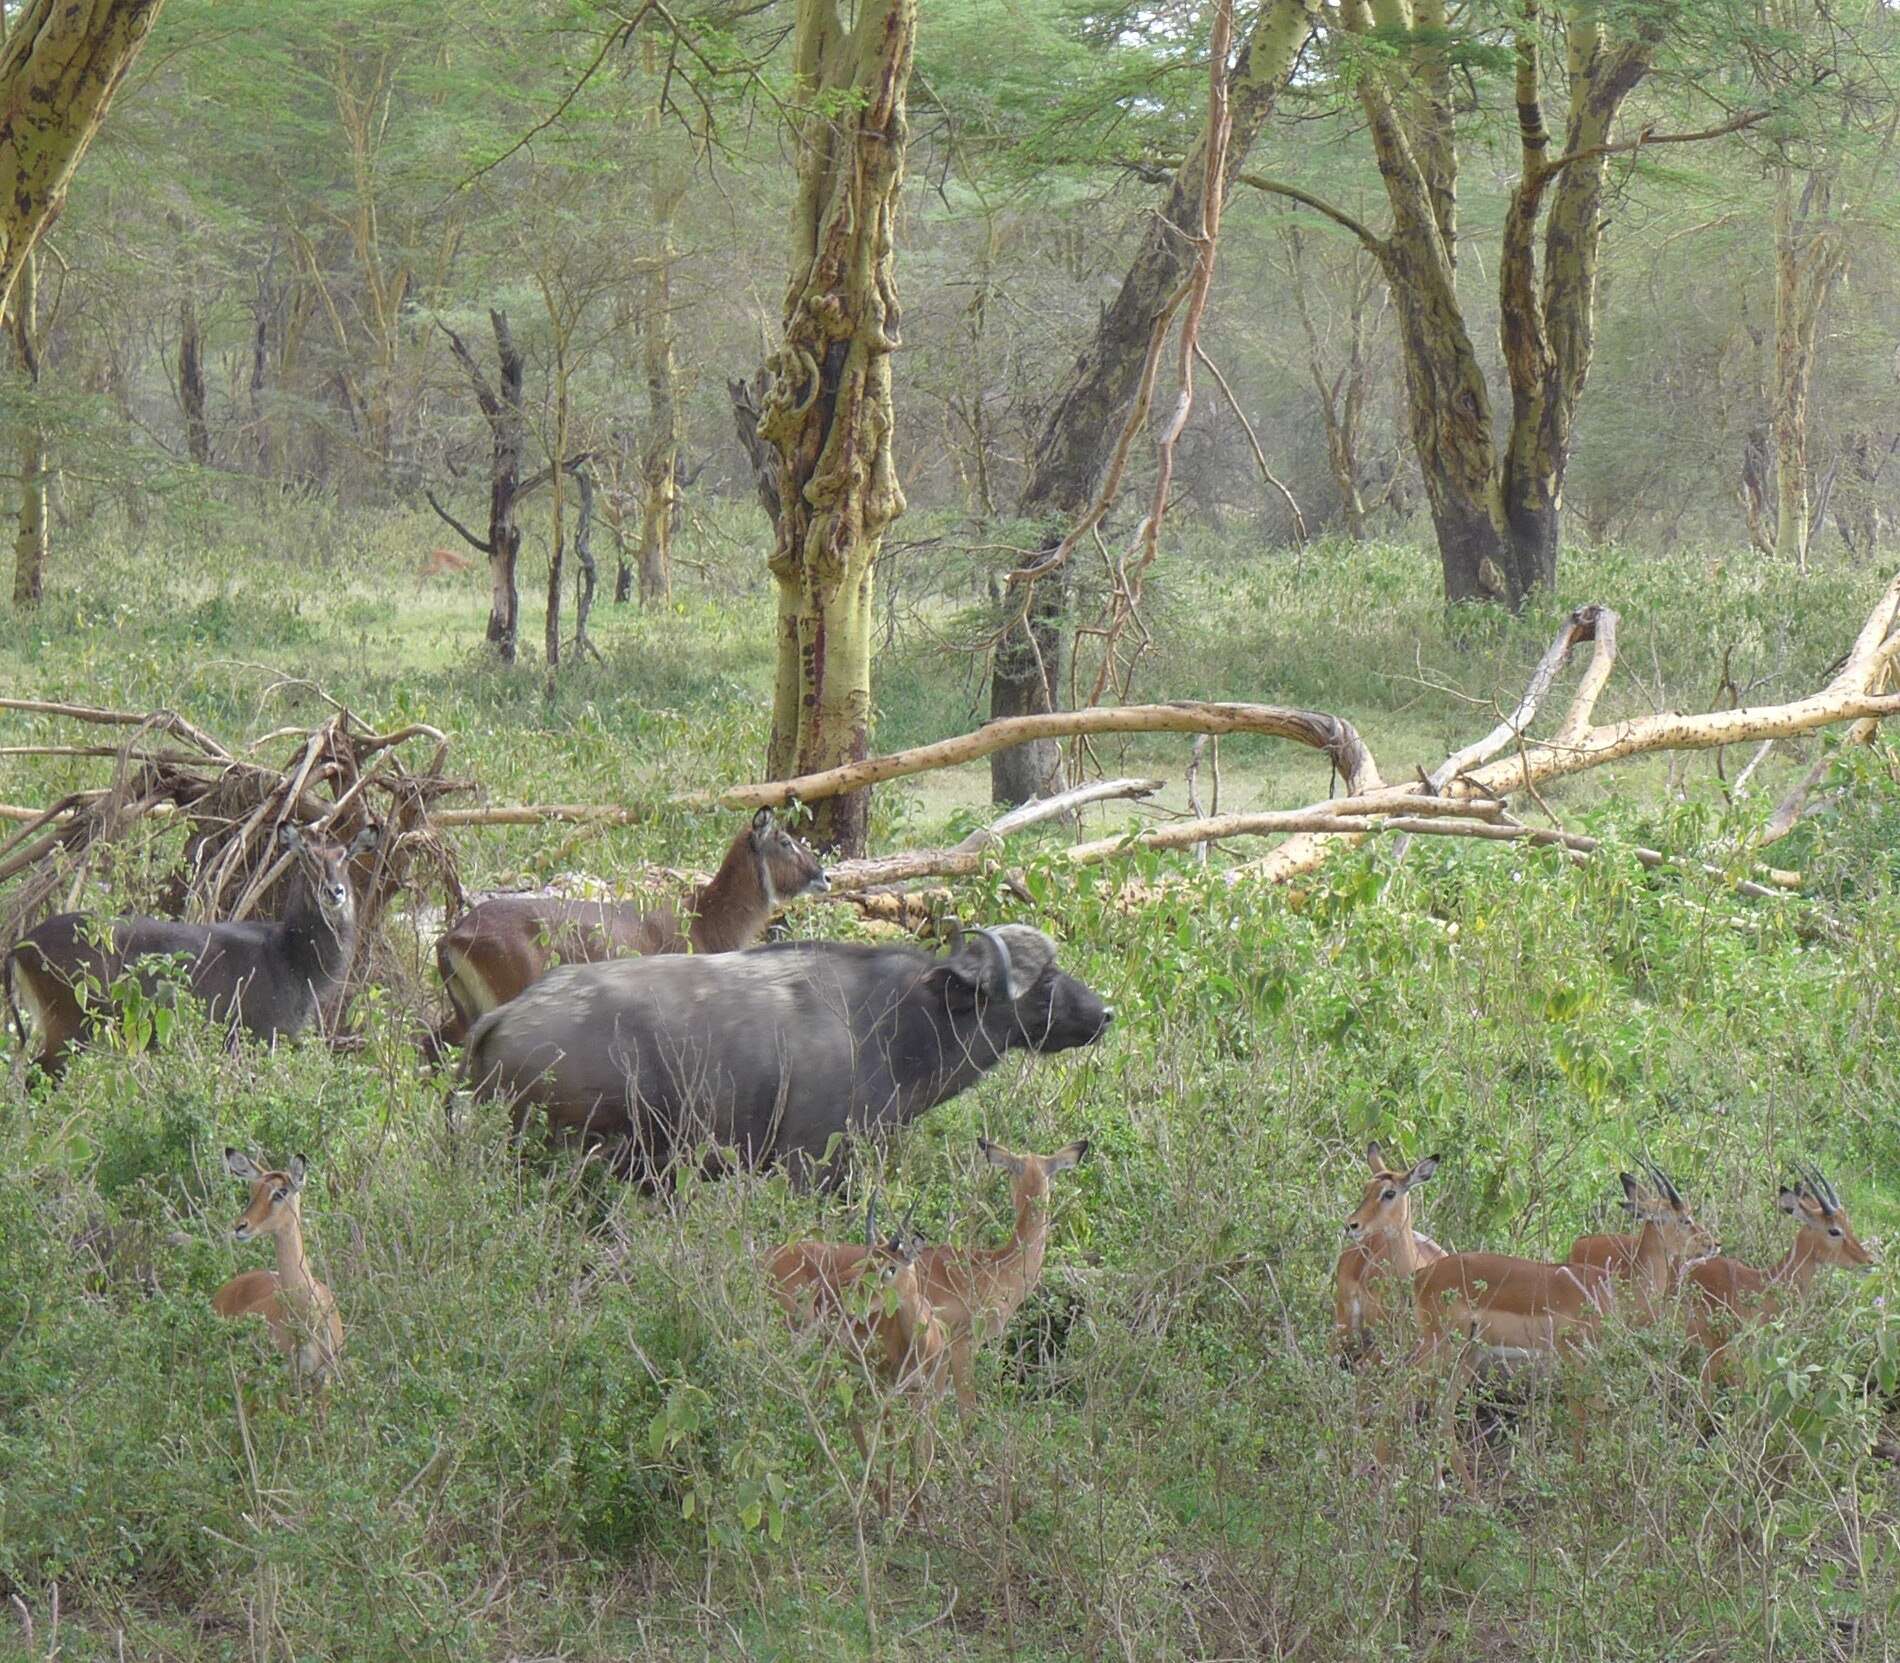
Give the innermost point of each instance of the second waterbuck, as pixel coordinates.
(267, 977)
(497, 949)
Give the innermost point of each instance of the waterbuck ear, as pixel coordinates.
(1422, 1171)
(1375, 1157)
(763, 824)
(365, 840)
(240, 1165)
(290, 836)
(298, 1166)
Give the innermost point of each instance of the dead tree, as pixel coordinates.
(501, 408)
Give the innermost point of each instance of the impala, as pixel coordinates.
(1726, 1296)
(975, 1291)
(1383, 1251)
(871, 1297)
(300, 1311)
(1651, 1259)
(1511, 1309)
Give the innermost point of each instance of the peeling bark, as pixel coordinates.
(828, 410)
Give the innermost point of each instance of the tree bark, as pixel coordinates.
(191, 382)
(660, 466)
(1810, 259)
(62, 62)
(828, 412)
(508, 432)
(30, 541)
(1092, 404)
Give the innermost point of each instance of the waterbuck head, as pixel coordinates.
(276, 1196)
(785, 866)
(1826, 1236)
(1386, 1209)
(1008, 980)
(325, 866)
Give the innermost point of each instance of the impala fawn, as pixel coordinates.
(870, 1297)
(300, 1311)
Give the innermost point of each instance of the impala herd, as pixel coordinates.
(830, 1038)
(1474, 1309)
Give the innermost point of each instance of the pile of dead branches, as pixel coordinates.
(341, 775)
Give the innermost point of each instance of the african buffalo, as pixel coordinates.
(770, 1051)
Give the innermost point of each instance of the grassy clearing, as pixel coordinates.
(569, 1423)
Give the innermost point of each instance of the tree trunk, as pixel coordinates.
(660, 466)
(191, 383)
(1092, 404)
(30, 543)
(508, 433)
(828, 411)
(1810, 258)
(584, 555)
(62, 62)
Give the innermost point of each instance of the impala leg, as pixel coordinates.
(1462, 1372)
(960, 1372)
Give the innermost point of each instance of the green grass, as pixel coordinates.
(570, 1424)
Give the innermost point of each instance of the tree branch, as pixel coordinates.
(478, 543)
(1274, 187)
(1646, 138)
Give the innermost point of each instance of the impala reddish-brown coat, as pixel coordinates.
(300, 1311)
(1651, 1259)
(975, 1291)
(1725, 1296)
(1373, 1278)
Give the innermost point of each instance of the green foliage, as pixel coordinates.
(570, 1420)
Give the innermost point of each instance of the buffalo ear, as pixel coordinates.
(240, 1165)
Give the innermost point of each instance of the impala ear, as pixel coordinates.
(1067, 1159)
(240, 1165)
(1375, 1157)
(1789, 1200)
(298, 1166)
(1422, 1171)
(997, 1155)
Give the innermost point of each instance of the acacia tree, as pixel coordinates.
(60, 65)
(1092, 402)
(659, 466)
(1496, 510)
(827, 411)
(500, 402)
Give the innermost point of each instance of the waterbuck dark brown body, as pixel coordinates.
(267, 977)
(772, 1051)
(496, 949)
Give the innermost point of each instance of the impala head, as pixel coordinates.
(1657, 1201)
(1385, 1208)
(276, 1196)
(325, 864)
(1825, 1232)
(1030, 1174)
(786, 868)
